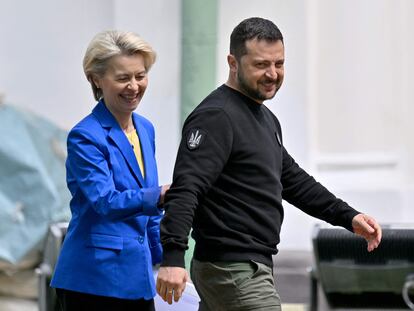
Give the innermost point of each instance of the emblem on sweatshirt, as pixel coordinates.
(194, 138)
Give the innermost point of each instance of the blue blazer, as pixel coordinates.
(113, 236)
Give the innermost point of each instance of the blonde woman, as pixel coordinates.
(113, 237)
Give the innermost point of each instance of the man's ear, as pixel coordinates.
(232, 61)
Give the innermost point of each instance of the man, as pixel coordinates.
(231, 174)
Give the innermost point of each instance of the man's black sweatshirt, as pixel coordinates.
(231, 174)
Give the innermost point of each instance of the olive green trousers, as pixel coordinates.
(235, 286)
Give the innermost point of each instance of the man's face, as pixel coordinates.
(260, 72)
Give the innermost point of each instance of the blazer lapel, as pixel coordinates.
(147, 153)
(119, 139)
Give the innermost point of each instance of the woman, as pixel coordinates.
(113, 237)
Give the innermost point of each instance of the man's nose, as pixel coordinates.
(271, 72)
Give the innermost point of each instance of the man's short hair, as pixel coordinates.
(252, 28)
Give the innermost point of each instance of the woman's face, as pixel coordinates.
(123, 83)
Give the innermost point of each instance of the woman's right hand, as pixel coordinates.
(164, 189)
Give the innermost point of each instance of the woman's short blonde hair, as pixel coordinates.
(108, 44)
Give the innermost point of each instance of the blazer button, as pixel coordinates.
(141, 240)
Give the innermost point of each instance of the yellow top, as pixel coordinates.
(134, 141)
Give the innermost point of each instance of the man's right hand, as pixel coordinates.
(171, 282)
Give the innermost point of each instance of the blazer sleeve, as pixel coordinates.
(88, 167)
(153, 233)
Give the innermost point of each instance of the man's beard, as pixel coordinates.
(255, 94)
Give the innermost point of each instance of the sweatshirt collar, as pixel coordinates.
(245, 99)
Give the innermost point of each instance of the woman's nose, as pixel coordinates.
(133, 85)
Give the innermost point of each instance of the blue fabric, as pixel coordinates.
(113, 236)
(33, 190)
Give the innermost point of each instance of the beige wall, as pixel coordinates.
(360, 102)
(41, 53)
(359, 69)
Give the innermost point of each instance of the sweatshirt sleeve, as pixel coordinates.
(204, 149)
(303, 191)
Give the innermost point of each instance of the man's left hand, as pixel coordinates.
(171, 283)
(369, 229)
